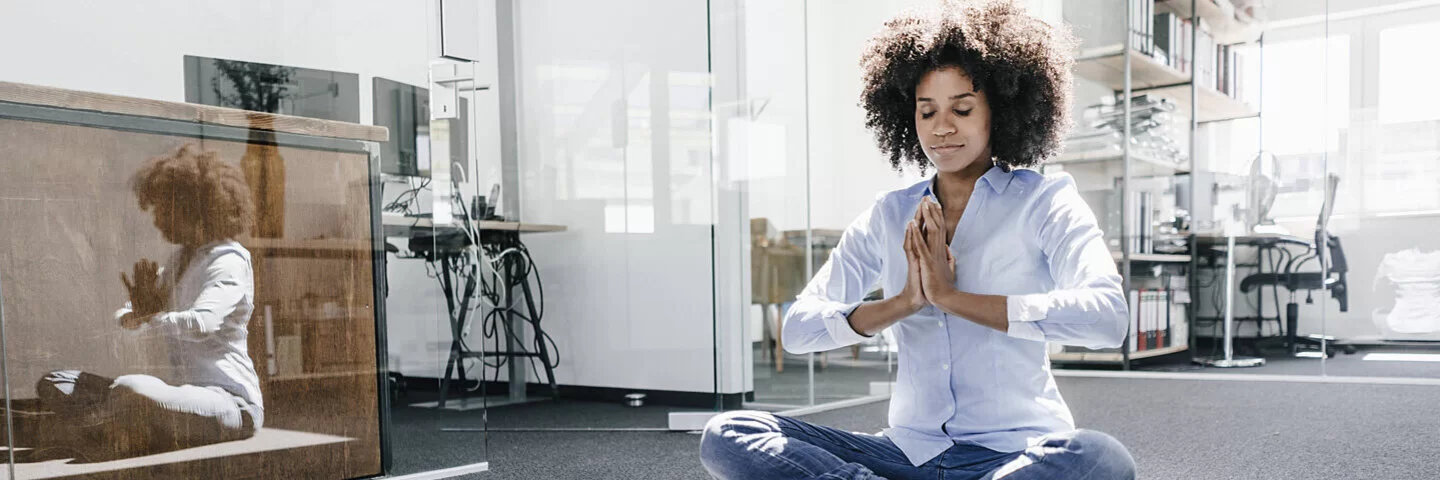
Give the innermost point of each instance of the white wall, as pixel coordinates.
(615, 146)
(847, 169)
(137, 49)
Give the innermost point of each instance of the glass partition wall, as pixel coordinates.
(1379, 315)
(794, 168)
(1312, 147)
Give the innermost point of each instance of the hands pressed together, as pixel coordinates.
(148, 295)
(931, 266)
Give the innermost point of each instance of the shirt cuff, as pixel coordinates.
(837, 322)
(1027, 308)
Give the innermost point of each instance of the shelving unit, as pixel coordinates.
(1153, 257)
(1128, 71)
(1106, 66)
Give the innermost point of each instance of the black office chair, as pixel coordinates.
(1332, 278)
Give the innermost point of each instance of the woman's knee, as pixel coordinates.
(1111, 458)
(741, 422)
(59, 382)
(135, 387)
(728, 433)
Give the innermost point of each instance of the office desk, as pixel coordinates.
(459, 289)
(398, 225)
(1251, 239)
(1260, 240)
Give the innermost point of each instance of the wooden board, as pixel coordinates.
(188, 112)
(73, 224)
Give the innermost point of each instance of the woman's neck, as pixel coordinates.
(954, 188)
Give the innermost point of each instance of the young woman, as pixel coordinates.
(984, 262)
(200, 302)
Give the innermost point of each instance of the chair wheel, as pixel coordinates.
(1349, 349)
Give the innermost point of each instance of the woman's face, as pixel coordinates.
(952, 120)
(175, 231)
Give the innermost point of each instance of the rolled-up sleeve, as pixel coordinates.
(819, 319)
(1087, 307)
(227, 283)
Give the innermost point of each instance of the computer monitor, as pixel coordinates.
(405, 110)
(283, 89)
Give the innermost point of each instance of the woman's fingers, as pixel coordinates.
(911, 250)
(922, 252)
(936, 237)
(909, 227)
(920, 218)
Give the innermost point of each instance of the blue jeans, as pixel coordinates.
(759, 445)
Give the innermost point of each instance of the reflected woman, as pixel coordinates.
(984, 263)
(200, 302)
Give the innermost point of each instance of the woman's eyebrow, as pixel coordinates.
(952, 97)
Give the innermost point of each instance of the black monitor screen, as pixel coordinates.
(263, 87)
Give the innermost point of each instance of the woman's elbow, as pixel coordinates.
(795, 338)
(1114, 323)
(790, 337)
(1115, 335)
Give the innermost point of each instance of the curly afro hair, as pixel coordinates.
(203, 190)
(1021, 63)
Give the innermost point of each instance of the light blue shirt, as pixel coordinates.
(1024, 235)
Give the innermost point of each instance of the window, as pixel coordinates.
(1301, 109)
(1304, 116)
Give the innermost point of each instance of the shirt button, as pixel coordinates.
(945, 366)
(940, 324)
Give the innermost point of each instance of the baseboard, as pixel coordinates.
(669, 398)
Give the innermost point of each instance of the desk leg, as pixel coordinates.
(779, 343)
(518, 372)
(456, 314)
(541, 346)
(446, 286)
(1230, 360)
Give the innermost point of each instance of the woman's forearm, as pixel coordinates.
(872, 317)
(987, 310)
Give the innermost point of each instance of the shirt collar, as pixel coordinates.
(997, 178)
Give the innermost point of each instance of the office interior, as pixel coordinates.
(551, 238)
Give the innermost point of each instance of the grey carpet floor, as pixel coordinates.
(1176, 429)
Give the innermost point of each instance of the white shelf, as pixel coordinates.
(1214, 106)
(1112, 357)
(1141, 166)
(1217, 16)
(1153, 257)
(1106, 65)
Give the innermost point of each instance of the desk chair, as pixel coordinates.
(1295, 281)
(1330, 277)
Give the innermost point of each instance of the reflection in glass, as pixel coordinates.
(201, 302)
